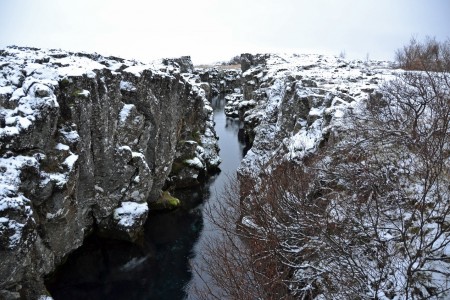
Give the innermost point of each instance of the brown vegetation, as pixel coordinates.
(429, 55)
(220, 67)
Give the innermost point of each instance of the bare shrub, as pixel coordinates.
(388, 183)
(240, 261)
(429, 55)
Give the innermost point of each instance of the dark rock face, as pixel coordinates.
(220, 81)
(249, 60)
(85, 142)
(183, 63)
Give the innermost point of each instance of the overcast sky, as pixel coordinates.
(213, 30)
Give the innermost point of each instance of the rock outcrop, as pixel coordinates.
(291, 104)
(219, 80)
(85, 142)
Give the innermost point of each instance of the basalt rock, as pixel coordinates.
(85, 143)
(220, 80)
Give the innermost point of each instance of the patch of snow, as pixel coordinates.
(126, 148)
(84, 93)
(70, 161)
(77, 66)
(5, 90)
(127, 86)
(195, 163)
(138, 154)
(58, 178)
(136, 70)
(247, 221)
(62, 147)
(125, 112)
(10, 197)
(71, 136)
(316, 111)
(129, 212)
(59, 213)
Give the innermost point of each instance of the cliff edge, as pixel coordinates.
(86, 143)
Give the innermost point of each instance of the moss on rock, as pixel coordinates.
(165, 201)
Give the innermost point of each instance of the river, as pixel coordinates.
(159, 268)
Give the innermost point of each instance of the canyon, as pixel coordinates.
(93, 145)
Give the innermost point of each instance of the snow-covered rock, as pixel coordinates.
(220, 80)
(87, 139)
(293, 103)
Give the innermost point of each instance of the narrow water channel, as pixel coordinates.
(159, 268)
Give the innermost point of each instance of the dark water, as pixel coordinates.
(159, 268)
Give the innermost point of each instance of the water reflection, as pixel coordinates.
(157, 269)
(231, 152)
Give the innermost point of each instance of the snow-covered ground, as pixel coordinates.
(324, 87)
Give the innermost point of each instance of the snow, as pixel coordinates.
(130, 212)
(4, 90)
(318, 78)
(70, 161)
(136, 70)
(62, 147)
(29, 82)
(38, 97)
(446, 250)
(78, 66)
(59, 179)
(125, 112)
(24, 122)
(71, 136)
(316, 111)
(137, 154)
(10, 169)
(195, 162)
(249, 222)
(10, 197)
(305, 140)
(127, 86)
(59, 213)
(18, 93)
(84, 93)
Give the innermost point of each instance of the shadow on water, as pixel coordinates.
(159, 268)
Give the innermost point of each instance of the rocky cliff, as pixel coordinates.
(87, 143)
(219, 80)
(291, 104)
(347, 177)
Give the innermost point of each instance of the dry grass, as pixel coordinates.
(220, 67)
